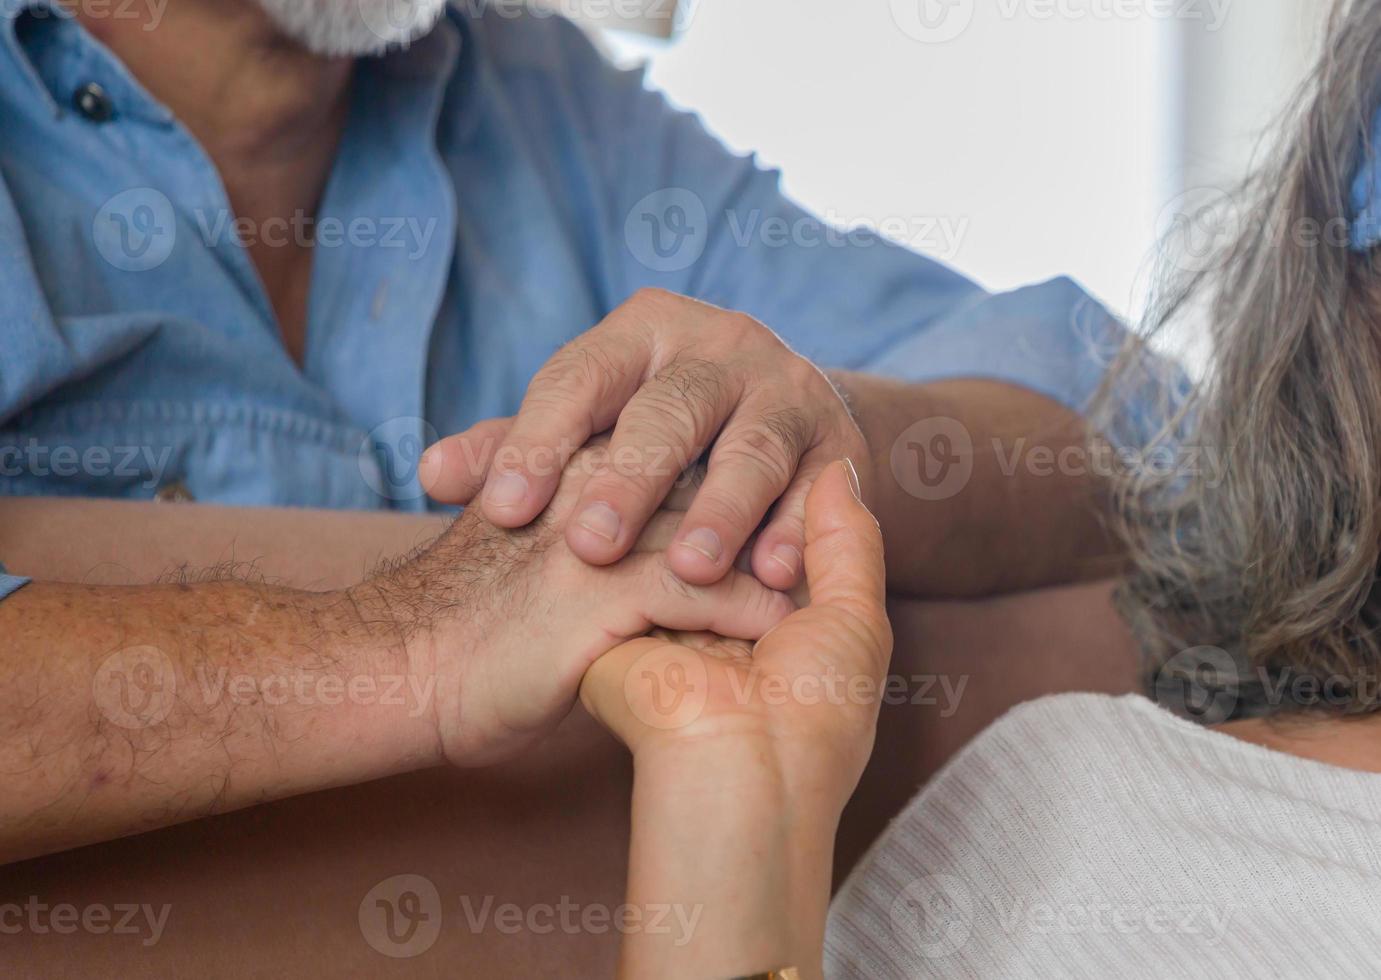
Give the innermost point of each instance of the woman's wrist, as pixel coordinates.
(721, 840)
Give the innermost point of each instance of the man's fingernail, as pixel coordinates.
(508, 490)
(705, 541)
(601, 519)
(853, 479)
(788, 557)
(429, 468)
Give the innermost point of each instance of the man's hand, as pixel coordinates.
(672, 377)
(508, 621)
(125, 708)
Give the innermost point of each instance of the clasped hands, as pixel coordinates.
(581, 544)
(587, 566)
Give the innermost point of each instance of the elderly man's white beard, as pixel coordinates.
(353, 27)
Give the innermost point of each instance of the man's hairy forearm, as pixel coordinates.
(128, 708)
(122, 542)
(71, 774)
(981, 487)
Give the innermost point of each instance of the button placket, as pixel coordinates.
(94, 103)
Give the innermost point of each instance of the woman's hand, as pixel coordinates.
(745, 757)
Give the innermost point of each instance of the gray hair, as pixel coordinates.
(1276, 565)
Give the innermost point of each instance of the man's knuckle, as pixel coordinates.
(575, 372)
(558, 379)
(791, 427)
(768, 446)
(730, 510)
(737, 327)
(633, 481)
(696, 385)
(662, 419)
(765, 466)
(650, 296)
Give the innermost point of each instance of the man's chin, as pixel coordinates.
(336, 28)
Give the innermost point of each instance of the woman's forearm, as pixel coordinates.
(734, 862)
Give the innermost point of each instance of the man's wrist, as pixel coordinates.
(347, 691)
(420, 616)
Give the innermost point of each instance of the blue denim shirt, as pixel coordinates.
(499, 189)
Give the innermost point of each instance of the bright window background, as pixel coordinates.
(1045, 139)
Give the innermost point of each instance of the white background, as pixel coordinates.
(1046, 138)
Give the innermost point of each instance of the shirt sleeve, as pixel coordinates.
(10, 583)
(692, 217)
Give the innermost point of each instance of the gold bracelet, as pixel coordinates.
(786, 973)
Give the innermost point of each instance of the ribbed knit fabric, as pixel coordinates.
(1085, 836)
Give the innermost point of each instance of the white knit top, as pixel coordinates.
(1085, 836)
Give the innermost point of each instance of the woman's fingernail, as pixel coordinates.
(602, 520)
(508, 490)
(853, 479)
(705, 541)
(788, 557)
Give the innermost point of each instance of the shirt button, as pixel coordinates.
(94, 103)
(174, 493)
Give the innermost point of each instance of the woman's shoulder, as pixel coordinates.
(1092, 752)
(1102, 827)
(1058, 737)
